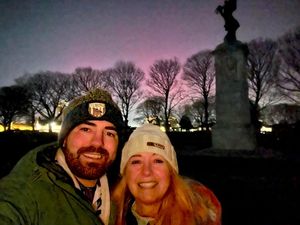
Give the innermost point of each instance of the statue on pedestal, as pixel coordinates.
(231, 24)
(233, 129)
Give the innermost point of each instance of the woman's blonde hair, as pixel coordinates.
(181, 205)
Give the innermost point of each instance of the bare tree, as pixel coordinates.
(289, 76)
(31, 112)
(151, 109)
(85, 79)
(163, 82)
(124, 80)
(282, 114)
(50, 90)
(199, 73)
(14, 102)
(263, 68)
(196, 112)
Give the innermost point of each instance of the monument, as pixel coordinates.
(233, 129)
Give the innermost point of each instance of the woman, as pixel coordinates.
(152, 192)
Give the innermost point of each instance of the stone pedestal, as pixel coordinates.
(233, 129)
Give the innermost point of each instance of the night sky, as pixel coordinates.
(60, 35)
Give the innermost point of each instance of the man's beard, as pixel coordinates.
(87, 170)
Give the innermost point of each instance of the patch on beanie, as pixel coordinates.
(157, 145)
(96, 109)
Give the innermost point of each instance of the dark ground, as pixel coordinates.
(255, 188)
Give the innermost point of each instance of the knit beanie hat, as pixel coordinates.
(149, 138)
(97, 104)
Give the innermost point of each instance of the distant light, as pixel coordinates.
(162, 128)
(264, 129)
(45, 127)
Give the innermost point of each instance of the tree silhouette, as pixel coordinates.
(162, 81)
(151, 109)
(199, 73)
(124, 80)
(282, 113)
(263, 68)
(13, 102)
(289, 76)
(85, 79)
(195, 111)
(50, 91)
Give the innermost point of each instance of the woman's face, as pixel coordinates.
(148, 177)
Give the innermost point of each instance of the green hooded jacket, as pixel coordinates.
(39, 192)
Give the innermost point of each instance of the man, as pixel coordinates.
(65, 182)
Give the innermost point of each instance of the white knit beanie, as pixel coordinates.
(149, 138)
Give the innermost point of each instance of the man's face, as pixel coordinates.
(90, 148)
